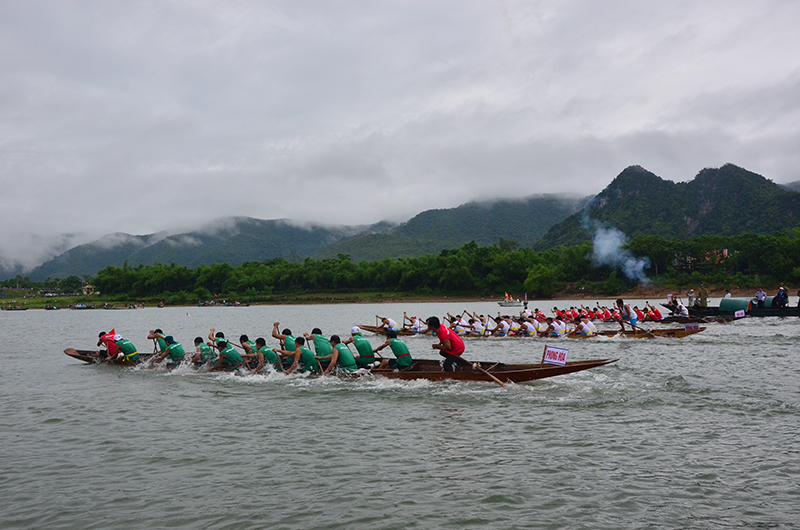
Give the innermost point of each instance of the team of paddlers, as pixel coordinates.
(294, 354)
(333, 353)
(536, 323)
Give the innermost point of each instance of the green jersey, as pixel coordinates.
(175, 352)
(363, 347)
(308, 361)
(162, 344)
(231, 357)
(270, 357)
(400, 350)
(288, 343)
(128, 350)
(206, 353)
(322, 345)
(346, 361)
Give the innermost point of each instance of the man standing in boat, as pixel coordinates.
(450, 345)
(626, 314)
(702, 295)
(761, 295)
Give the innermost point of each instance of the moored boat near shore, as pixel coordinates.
(728, 307)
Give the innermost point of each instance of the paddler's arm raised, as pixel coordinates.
(275, 334)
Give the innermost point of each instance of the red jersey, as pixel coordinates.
(456, 344)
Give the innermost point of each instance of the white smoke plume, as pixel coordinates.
(608, 250)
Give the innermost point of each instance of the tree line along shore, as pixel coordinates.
(740, 264)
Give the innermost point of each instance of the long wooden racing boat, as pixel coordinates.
(427, 369)
(675, 333)
(94, 357)
(516, 373)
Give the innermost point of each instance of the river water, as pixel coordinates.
(700, 432)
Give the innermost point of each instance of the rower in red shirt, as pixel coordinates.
(450, 345)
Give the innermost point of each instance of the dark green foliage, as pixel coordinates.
(741, 261)
(724, 201)
(513, 222)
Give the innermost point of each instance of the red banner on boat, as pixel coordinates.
(739, 314)
(553, 355)
(691, 327)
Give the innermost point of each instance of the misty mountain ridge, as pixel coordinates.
(724, 201)
(236, 240)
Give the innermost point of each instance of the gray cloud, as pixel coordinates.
(147, 116)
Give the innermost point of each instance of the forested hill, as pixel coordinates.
(724, 201)
(238, 240)
(232, 240)
(521, 221)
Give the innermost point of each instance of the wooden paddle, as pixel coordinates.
(649, 334)
(479, 368)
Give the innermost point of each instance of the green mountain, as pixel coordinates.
(231, 240)
(237, 240)
(725, 201)
(523, 221)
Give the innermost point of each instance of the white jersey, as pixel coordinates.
(559, 328)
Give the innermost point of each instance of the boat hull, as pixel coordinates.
(405, 332)
(675, 333)
(93, 357)
(426, 369)
(431, 370)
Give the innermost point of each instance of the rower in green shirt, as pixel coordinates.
(174, 351)
(266, 355)
(341, 357)
(158, 336)
(302, 357)
(203, 353)
(366, 357)
(399, 349)
(286, 337)
(250, 354)
(126, 350)
(322, 344)
(229, 358)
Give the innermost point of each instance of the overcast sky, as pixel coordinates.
(129, 116)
